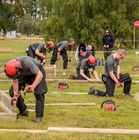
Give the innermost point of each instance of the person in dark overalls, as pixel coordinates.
(39, 50)
(84, 66)
(26, 71)
(61, 49)
(112, 76)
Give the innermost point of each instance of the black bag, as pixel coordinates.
(100, 62)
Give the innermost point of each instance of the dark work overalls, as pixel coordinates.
(110, 85)
(30, 51)
(39, 92)
(63, 52)
(86, 71)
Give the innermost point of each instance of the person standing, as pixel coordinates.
(108, 43)
(61, 49)
(26, 71)
(113, 76)
(39, 50)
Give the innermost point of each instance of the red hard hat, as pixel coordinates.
(51, 44)
(11, 67)
(91, 60)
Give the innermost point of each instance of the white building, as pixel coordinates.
(11, 34)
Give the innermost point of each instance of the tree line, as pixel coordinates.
(83, 20)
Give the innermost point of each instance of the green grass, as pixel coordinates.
(126, 115)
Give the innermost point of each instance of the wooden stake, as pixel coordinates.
(71, 81)
(94, 130)
(78, 130)
(71, 92)
(9, 113)
(66, 104)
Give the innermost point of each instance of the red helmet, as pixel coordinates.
(11, 68)
(51, 44)
(91, 60)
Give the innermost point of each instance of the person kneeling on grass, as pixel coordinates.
(113, 76)
(84, 66)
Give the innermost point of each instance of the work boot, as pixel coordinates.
(24, 113)
(92, 91)
(131, 95)
(37, 120)
(73, 77)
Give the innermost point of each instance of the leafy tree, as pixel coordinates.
(10, 11)
(30, 7)
(27, 25)
(86, 20)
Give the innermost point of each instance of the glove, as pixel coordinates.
(14, 98)
(58, 57)
(119, 84)
(43, 57)
(31, 89)
(118, 77)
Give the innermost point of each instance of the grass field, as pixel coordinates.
(126, 115)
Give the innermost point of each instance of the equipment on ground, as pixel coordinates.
(63, 86)
(109, 105)
(135, 68)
